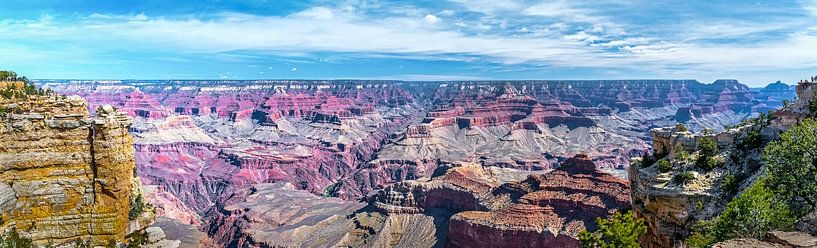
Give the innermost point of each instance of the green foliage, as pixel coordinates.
(753, 214)
(137, 239)
(753, 140)
(681, 128)
(707, 146)
(664, 166)
(731, 183)
(702, 236)
(621, 230)
(111, 244)
(698, 240)
(79, 243)
(791, 163)
(681, 153)
(786, 103)
(647, 160)
(137, 207)
(709, 163)
(12, 239)
(683, 177)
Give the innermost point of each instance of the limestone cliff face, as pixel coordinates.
(64, 175)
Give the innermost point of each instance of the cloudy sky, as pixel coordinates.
(755, 42)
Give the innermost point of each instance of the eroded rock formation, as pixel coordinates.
(205, 144)
(65, 175)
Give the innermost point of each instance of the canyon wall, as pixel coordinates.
(63, 174)
(205, 145)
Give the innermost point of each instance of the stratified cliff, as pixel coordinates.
(64, 175)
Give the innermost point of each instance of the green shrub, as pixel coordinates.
(647, 160)
(731, 183)
(681, 128)
(12, 239)
(702, 236)
(683, 177)
(681, 153)
(753, 140)
(791, 163)
(137, 206)
(621, 230)
(707, 146)
(137, 239)
(753, 214)
(664, 166)
(709, 163)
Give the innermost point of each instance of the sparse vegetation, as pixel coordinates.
(681, 153)
(621, 230)
(137, 239)
(683, 177)
(786, 103)
(647, 160)
(731, 183)
(80, 243)
(664, 166)
(137, 207)
(753, 140)
(13, 239)
(707, 149)
(19, 91)
(681, 128)
(812, 105)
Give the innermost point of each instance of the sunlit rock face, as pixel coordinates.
(65, 175)
(204, 144)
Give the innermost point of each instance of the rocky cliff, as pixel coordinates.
(672, 198)
(64, 175)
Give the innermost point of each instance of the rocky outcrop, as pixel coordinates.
(671, 208)
(773, 239)
(65, 175)
(546, 210)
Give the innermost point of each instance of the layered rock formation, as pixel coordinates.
(204, 144)
(65, 175)
(465, 205)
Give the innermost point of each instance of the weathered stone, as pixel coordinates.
(56, 165)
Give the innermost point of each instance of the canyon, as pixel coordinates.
(357, 163)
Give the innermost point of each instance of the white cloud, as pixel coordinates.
(447, 12)
(321, 29)
(317, 13)
(811, 6)
(431, 19)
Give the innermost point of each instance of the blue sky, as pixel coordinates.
(755, 42)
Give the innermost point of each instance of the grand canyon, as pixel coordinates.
(394, 163)
(414, 124)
